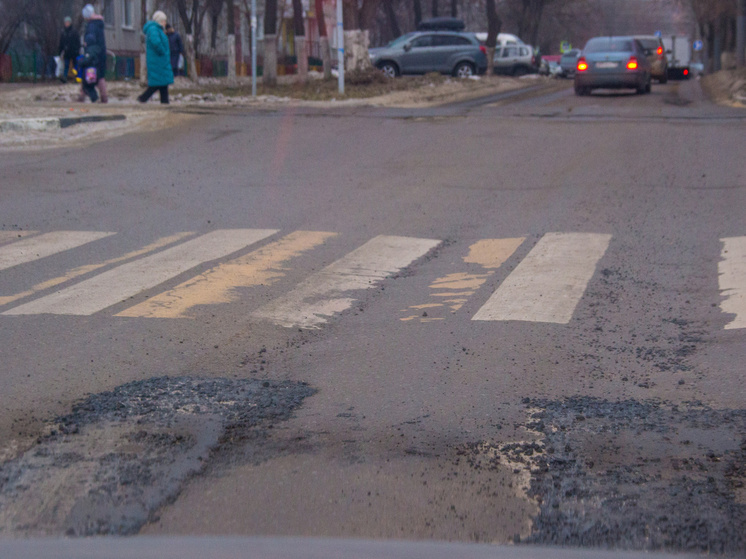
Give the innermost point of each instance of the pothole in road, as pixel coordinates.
(635, 474)
(108, 466)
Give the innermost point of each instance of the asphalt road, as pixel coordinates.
(519, 320)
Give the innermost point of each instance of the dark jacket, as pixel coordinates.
(176, 46)
(158, 55)
(69, 42)
(95, 45)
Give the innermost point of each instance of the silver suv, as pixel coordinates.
(420, 52)
(515, 60)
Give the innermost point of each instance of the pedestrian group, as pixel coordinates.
(164, 52)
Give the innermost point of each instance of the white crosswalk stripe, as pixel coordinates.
(548, 284)
(127, 280)
(330, 290)
(732, 279)
(34, 248)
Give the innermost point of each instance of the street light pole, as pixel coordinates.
(340, 48)
(253, 48)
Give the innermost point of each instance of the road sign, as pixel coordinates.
(697, 45)
(565, 46)
(658, 34)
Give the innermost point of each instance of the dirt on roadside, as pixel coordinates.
(727, 87)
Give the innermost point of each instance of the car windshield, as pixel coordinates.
(608, 44)
(399, 41)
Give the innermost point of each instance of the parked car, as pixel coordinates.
(515, 60)
(420, 52)
(656, 54)
(502, 39)
(568, 63)
(612, 62)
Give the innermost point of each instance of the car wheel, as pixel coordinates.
(664, 79)
(464, 70)
(648, 87)
(519, 71)
(389, 69)
(580, 91)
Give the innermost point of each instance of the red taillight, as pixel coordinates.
(660, 51)
(483, 49)
(686, 72)
(582, 65)
(632, 64)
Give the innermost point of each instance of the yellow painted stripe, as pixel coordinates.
(489, 254)
(222, 283)
(8, 236)
(82, 270)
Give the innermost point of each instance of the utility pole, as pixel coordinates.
(143, 60)
(740, 34)
(340, 48)
(253, 47)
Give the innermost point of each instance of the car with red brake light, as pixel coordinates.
(656, 54)
(612, 63)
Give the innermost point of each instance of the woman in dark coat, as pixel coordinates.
(158, 59)
(94, 56)
(177, 48)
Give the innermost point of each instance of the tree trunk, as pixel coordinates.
(356, 50)
(417, 12)
(269, 75)
(269, 71)
(191, 56)
(435, 8)
(454, 8)
(299, 31)
(231, 42)
(326, 54)
(493, 28)
(391, 16)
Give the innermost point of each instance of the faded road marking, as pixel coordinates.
(9, 236)
(82, 270)
(548, 284)
(327, 292)
(455, 289)
(35, 248)
(220, 284)
(732, 280)
(127, 280)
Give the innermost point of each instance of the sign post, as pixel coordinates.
(340, 48)
(253, 48)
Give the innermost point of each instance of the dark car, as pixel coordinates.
(612, 63)
(420, 52)
(568, 63)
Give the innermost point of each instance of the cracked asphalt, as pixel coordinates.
(623, 429)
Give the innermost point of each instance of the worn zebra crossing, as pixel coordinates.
(546, 285)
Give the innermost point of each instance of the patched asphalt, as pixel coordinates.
(109, 465)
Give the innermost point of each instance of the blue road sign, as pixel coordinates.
(697, 45)
(658, 34)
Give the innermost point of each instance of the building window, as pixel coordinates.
(109, 13)
(128, 13)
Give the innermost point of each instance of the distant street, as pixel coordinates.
(513, 320)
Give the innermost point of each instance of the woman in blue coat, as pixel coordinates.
(158, 59)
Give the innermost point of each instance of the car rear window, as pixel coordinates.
(650, 44)
(608, 44)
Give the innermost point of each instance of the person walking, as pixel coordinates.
(157, 58)
(69, 47)
(93, 63)
(176, 46)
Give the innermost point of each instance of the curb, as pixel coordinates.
(52, 123)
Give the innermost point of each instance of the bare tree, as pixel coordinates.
(494, 23)
(417, 7)
(13, 13)
(326, 55)
(269, 76)
(299, 37)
